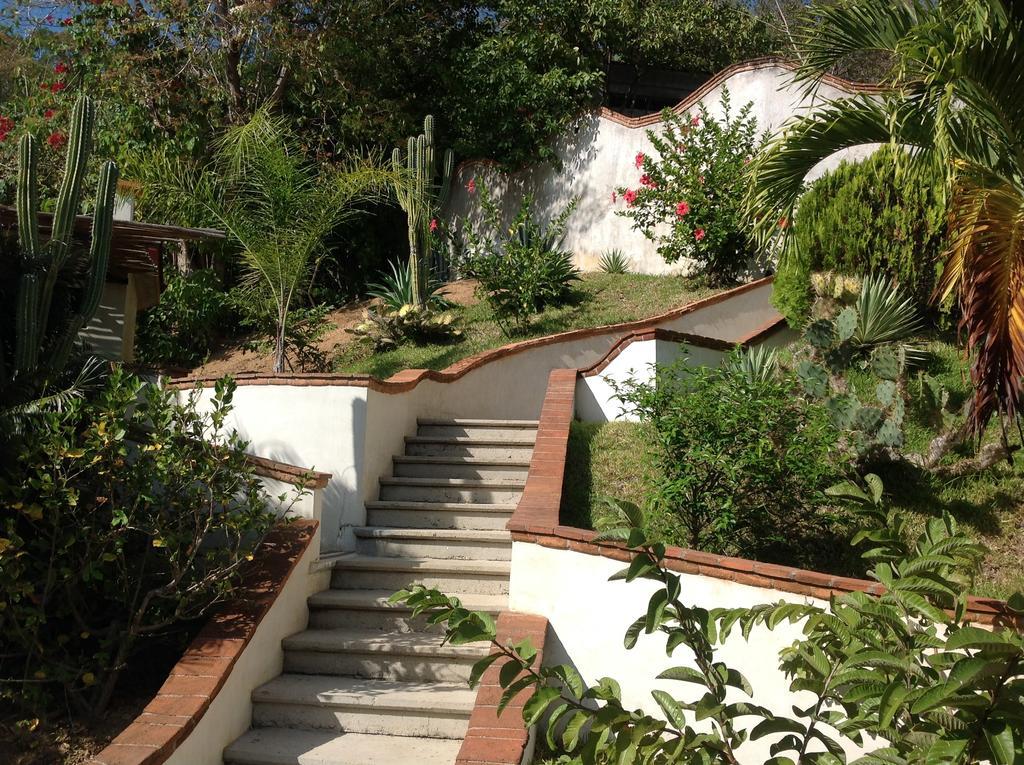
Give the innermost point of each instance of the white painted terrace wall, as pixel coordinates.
(352, 432)
(598, 152)
(588, 616)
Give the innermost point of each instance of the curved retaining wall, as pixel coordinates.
(351, 426)
(598, 151)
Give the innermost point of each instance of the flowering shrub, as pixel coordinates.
(689, 197)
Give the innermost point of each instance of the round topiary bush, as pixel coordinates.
(864, 217)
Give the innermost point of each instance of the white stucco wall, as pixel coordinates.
(598, 154)
(230, 713)
(111, 333)
(588, 616)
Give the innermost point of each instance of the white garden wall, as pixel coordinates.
(588, 616)
(598, 151)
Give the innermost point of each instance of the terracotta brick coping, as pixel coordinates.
(536, 520)
(408, 379)
(672, 336)
(197, 678)
(282, 471)
(493, 739)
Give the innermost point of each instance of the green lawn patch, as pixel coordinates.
(602, 299)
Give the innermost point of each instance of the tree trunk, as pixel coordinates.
(415, 268)
(282, 319)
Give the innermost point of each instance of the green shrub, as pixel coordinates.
(743, 460)
(863, 217)
(395, 289)
(182, 328)
(614, 262)
(524, 270)
(120, 518)
(689, 198)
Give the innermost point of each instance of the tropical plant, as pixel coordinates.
(523, 268)
(51, 289)
(386, 327)
(902, 674)
(952, 99)
(122, 517)
(614, 262)
(279, 208)
(757, 364)
(689, 200)
(396, 289)
(730, 487)
(425, 193)
(193, 312)
(864, 217)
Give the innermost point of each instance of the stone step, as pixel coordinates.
(269, 746)
(492, 449)
(373, 572)
(490, 429)
(495, 491)
(400, 656)
(358, 705)
(438, 515)
(461, 544)
(459, 467)
(370, 610)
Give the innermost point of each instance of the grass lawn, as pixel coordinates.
(614, 459)
(603, 299)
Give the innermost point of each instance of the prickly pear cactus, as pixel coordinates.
(842, 408)
(821, 334)
(814, 379)
(887, 363)
(885, 392)
(846, 323)
(868, 419)
(890, 434)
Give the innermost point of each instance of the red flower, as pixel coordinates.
(698, 234)
(695, 121)
(682, 208)
(645, 180)
(471, 186)
(6, 124)
(700, 179)
(433, 224)
(60, 68)
(57, 87)
(3, 136)
(783, 222)
(639, 159)
(630, 196)
(49, 114)
(56, 139)
(44, 85)
(68, 21)
(615, 197)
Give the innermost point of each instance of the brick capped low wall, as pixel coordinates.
(536, 521)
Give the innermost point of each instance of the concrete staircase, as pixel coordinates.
(366, 684)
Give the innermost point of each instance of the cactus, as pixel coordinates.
(846, 324)
(423, 193)
(888, 363)
(814, 379)
(885, 392)
(868, 419)
(45, 328)
(821, 334)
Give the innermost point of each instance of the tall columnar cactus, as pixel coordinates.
(423, 194)
(45, 328)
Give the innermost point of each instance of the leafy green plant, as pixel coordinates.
(304, 329)
(525, 270)
(614, 262)
(731, 486)
(864, 217)
(901, 674)
(386, 327)
(395, 289)
(182, 328)
(758, 364)
(121, 517)
(51, 289)
(689, 200)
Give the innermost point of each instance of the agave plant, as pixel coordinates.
(758, 364)
(396, 289)
(614, 262)
(885, 313)
(953, 99)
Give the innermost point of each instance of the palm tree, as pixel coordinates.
(953, 98)
(280, 207)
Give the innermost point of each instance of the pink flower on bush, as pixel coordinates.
(68, 22)
(60, 68)
(682, 209)
(695, 121)
(471, 186)
(6, 124)
(433, 224)
(783, 222)
(56, 139)
(645, 180)
(630, 196)
(639, 161)
(49, 114)
(698, 234)
(57, 87)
